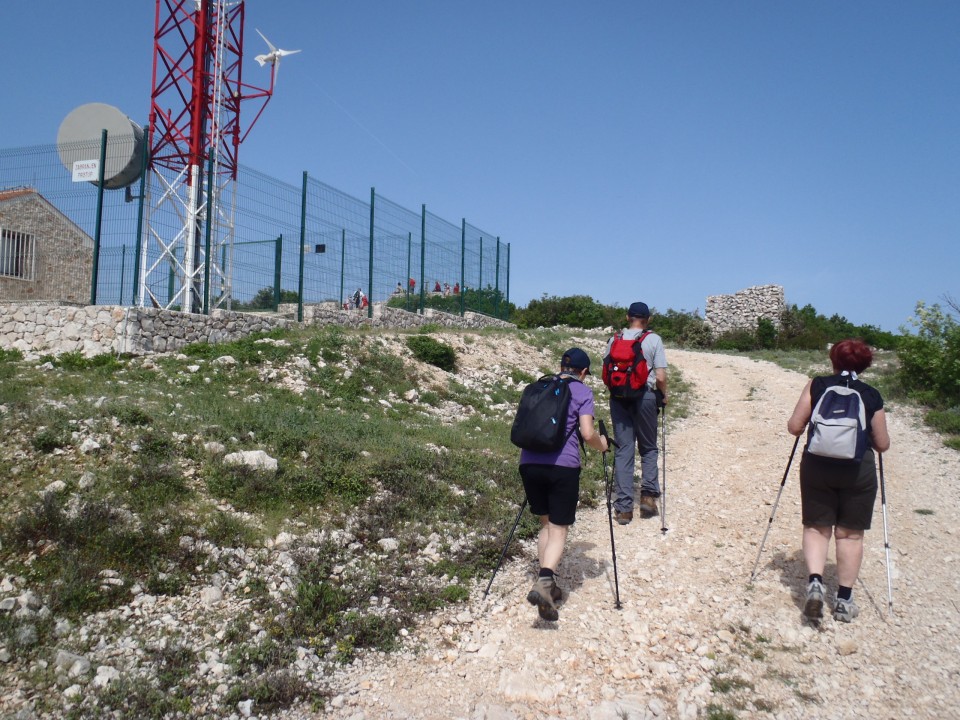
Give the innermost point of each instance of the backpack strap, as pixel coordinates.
(576, 420)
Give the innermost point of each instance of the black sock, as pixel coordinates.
(818, 578)
(844, 593)
(546, 572)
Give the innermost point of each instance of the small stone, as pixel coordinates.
(105, 676)
(57, 486)
(726, 636)
(26, 635)
(72, 692)
(87, 480)
(30, 600)
(388, 544)
(847, 646)
(211, 596)
(215, 448)
(245, 707)
(89, 446)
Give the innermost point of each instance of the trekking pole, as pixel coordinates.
(609, 487)
(886, 542)
(506, 545)
(772, 512)
(663, 504)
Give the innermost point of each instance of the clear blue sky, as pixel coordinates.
(635, 150)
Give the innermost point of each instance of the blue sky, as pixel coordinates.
(656, 151)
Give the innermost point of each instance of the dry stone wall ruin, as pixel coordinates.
(742, 310)
(52, 329)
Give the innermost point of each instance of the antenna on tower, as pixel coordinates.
(194, 141)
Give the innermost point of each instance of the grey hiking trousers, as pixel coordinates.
(635, 427)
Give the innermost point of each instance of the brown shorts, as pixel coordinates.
(833, 493)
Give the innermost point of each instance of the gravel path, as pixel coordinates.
(693, 636)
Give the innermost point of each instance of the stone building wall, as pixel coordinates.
(51, 329)
(741, 310)
(63, 260)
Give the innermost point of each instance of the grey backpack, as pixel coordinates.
(838, 425)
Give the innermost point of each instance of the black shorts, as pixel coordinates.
(833, 493)
(552, 490)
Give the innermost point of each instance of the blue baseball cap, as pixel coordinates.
(577, 359)
(639, 309)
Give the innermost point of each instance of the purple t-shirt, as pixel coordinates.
(581, 403)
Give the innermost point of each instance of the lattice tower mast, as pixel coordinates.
(194, 141)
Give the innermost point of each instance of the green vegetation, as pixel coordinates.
(433, 352)
(800, 328)
(154, 505)
(930, 366)
(266, 299)
(487, 301)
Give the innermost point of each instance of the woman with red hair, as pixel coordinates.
(837, 497)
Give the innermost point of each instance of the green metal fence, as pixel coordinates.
(288, 241)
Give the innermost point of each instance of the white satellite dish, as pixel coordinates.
(78, 141)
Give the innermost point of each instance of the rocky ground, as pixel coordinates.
(694, 637)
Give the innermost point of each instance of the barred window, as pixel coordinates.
(16, 254)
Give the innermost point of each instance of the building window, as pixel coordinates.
(17, 252)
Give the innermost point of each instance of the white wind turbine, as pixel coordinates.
(272, 57)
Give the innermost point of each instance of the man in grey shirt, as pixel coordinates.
(635, 423)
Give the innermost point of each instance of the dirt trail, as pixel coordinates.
(692, 632)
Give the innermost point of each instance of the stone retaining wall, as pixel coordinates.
(741, 310)
(51, 329)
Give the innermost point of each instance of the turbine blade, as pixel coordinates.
(269, 44)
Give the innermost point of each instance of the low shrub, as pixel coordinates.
(433, 352)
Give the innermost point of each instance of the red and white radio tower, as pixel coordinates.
(194, 139)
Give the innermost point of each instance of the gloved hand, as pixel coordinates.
(661, 400)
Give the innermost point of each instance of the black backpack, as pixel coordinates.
(541, 421)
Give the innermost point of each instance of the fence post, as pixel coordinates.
(423, 256)
(303, 239)
(496, 283)
(480, 280)
(343, 260)
(143, 194)
(123, 267)
(508, 282)
(95, 269)
(276, 272)
(373, 196)
(463, 256)
(406, 305)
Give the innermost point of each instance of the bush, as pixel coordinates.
(740, 340)
(433, 352)
(930, 360)
(576, 311)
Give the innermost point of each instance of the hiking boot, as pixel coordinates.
(544, 594)
(845, 610)
(813, 607)
(648, 506)
(623, 518)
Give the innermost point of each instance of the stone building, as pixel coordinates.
(743, 309)
(44, 256)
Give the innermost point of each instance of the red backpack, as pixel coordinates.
(625, 369)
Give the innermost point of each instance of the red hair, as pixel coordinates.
(849, 355)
